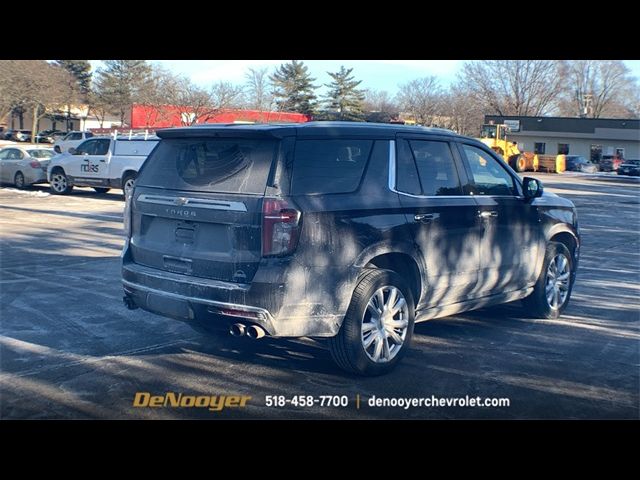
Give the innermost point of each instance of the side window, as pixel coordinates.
(76, 136)
(329, 166)
(88, 135)
(4, 154)
(489, 177)
(14, 154)
(87, 147)
(436, 168)
(102, 147)
(406, 173)
(67, 137)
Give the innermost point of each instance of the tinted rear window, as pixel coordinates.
(232, 165)
(329, 166)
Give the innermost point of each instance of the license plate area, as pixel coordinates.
(169, 307)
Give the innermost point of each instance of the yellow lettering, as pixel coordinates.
(172, 399)
(156, 401)
(141, 399)
(217, 403)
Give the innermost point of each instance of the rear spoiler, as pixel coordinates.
(228, 130)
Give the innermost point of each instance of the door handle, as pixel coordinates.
(426, 217)
(487, 214)
(102, 160)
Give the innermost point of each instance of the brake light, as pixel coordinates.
(35, 164)
(280, 228)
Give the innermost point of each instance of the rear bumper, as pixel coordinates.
(34, 175)
(282, 309)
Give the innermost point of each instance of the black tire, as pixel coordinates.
(18, 181)
(59, 184)
(537, 303)
(347, 347)
(516, 163)
(101, 189)
(128, 177)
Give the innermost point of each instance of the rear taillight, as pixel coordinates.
(280, 228)
(35, 164)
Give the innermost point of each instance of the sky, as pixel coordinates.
(375, 74)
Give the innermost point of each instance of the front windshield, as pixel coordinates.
(488, 131)
(40, 153)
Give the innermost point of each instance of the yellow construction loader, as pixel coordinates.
(495, 137)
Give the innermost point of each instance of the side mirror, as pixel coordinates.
(532, 188)
(72, 150)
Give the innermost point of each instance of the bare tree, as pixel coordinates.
(421, 98)
(597, 88)
(197, 105)
(32, 85)
(160, 87)
(379, 106)
(463, 111)
(99, 106)
(258, 91)
(226, 95)
(9, 86)
(514, 87)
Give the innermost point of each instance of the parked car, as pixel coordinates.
(48, 136)
(610, 163)
(341, 230)
(630, 167)
(102, 163)
(18, 135)
(22, 166)
(71, 139)
(577, 163)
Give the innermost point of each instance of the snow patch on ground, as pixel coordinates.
(30, 193)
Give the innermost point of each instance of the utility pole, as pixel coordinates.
(588, 105)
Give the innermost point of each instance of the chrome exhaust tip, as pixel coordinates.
(237, 329)
(255, 332)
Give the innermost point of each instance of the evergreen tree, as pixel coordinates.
(343, 97)
(81, 71)
(293, 88)
(121, 82)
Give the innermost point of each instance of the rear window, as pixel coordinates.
(234, 165)
(40, 153)
(329, 166)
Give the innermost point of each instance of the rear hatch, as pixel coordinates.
(197, 207)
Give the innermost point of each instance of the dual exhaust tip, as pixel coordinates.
(251, 331)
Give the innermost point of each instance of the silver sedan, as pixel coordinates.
(24, 165)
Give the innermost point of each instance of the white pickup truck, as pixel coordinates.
(100, 162)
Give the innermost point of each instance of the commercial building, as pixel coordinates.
(589, 137)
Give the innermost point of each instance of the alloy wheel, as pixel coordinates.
(384, 324)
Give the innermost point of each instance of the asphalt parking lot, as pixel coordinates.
(70, 349)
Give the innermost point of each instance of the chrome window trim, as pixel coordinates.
(392, 182)
(192, 202)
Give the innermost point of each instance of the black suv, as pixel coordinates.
(351, 231)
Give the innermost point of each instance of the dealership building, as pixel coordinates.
(589, 137)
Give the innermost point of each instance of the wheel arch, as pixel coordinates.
(564, 235)
(128, 172)
(402, 258)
